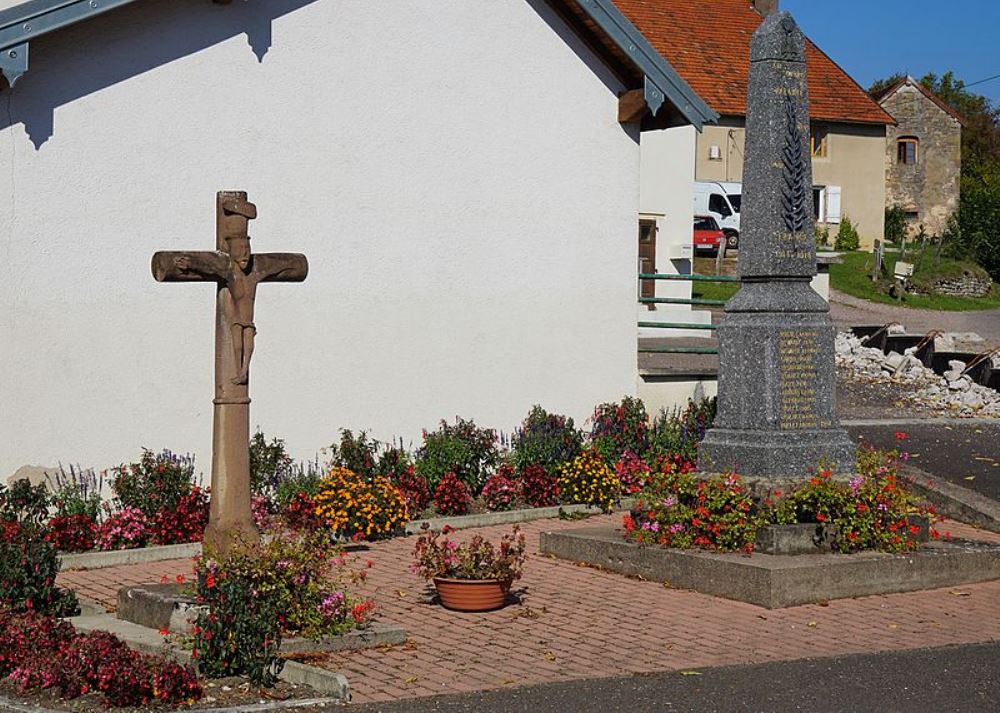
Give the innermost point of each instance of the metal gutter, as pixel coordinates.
(662, 81)
(24, 22)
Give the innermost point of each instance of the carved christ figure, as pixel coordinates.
(239, 272)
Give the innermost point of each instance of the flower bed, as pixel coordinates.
(39, 652)
(874, 510)
(368, 490)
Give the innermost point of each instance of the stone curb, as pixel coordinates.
(6, 704)
(377, 634)
(954, 501)
(779, 581)
(486, 519)
(117, 558)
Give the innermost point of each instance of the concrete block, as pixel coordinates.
(776, 581)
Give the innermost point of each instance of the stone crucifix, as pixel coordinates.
(237, 272)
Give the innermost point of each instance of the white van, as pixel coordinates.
(722, 201)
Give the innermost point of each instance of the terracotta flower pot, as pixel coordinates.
(471, 595)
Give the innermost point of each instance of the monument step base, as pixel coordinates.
(778, 581)
(166, 606)
(777, 454)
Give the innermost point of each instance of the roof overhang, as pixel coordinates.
(21, 22)
(661, 84)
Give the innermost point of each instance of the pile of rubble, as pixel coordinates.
(954, 393)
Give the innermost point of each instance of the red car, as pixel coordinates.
(707, 234)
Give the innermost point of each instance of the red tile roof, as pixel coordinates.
(708, 43)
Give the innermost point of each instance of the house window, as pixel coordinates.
(906, 150)
(818, 141)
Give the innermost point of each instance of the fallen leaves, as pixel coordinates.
(960, 593)
(690, 673)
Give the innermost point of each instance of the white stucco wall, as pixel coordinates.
(454, 171)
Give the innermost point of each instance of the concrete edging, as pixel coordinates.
(505, 517)
(954, 501)
(139, 555)
(778, 581)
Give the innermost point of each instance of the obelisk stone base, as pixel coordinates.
(777, 381)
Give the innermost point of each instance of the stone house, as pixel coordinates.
(463, 176)
(708, 43)
(923, 157)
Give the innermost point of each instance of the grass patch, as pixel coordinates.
(713, 290)
(853, 277)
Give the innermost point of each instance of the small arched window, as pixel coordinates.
(906, 149)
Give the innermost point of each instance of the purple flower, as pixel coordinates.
(856, 482)
(676, 527)
(670, 502)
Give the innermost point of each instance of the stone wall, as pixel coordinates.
(930, 187)
(964, 286)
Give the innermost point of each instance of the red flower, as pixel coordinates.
(900, 436)
(180, 579)
(209, 580)
(820, 517)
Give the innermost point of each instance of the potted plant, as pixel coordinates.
(472, 576)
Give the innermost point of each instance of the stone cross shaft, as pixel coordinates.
(776, 417)
(236, 271)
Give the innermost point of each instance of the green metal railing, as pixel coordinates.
(681, 301)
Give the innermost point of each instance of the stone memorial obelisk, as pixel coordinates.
(776, 417)
(237, 271)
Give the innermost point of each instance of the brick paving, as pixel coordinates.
(577, 622)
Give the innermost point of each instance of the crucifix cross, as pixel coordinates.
(236, 271)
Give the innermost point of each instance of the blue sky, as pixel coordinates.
(871, 39)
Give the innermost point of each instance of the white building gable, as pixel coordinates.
(455, 172)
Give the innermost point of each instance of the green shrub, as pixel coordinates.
(546, 439)
(257, 593)
(358, 454)
(847, 236)
(468, 451)
(77, 492)
(24, 503)
(299, 479)
(28, 562)
(157, 482)
(620, 427)
(895, 224)
(678, 433)
(269, 464)
(822, 233)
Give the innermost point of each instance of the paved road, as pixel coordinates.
(953, 450)
(959, 679)
(848, 311)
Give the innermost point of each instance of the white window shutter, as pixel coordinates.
(833, 204)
